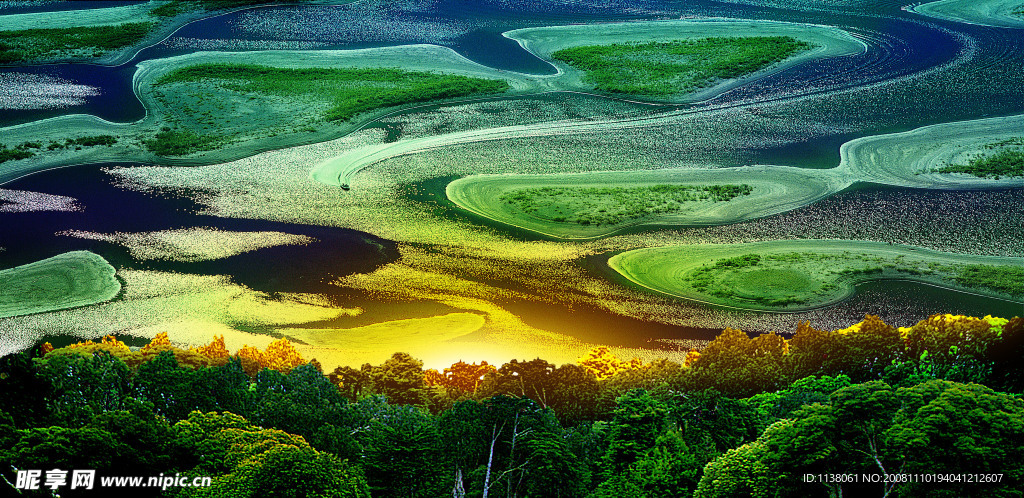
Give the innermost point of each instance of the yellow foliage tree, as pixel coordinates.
(604, 365)
(108, 341)
(280, 355)
(156, 342)
(87, 348)
(691, 356)
(251, 358)
(215, 350)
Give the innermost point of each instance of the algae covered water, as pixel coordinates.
(269, 228)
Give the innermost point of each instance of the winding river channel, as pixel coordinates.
(396, 246)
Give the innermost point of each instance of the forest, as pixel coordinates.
(745, 416)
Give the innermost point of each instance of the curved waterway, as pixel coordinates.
(900, 44)
(106, 208)
(915, 71)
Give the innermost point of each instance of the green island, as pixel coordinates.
(213, 104)
(918, 158)
(104, 34)
(569, 205)
(614, 205)
(29, 45)
(67, 280)
(676, 67)
(1001, 13)
(1003, 163)
(26, 150)
(793, 275)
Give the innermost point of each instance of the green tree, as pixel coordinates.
(735, 364)
(402, 448)
(171, 389)
(1007, 369)
(635, 426)
(400, 379)
(354, 384)
(575, 392)
(527, 379)
(84, 386)
(951, 428)
(287, 471)
(24, 394)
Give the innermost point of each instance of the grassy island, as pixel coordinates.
(28, 45)
(614, 205)
(792, 275)
(217, 103)
(675, 67)
(71, 279)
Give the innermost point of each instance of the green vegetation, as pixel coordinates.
(68, 280)
(1006, 162)
(170, 9)
(352, 90)
(802, 274)
(77, 143)
(677, 67)
(745, 416)
(170, 142)
(26, 150)
(212, 105)
(30, 45)
(614, 205)
(18, 152)
(1006, 279)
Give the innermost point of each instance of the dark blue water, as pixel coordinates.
(30, 237)
(116, 101)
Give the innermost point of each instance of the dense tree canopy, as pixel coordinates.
(747, 416)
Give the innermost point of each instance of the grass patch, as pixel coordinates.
(26, 150)
(46, 44)
(614, 205)
(218, 104)
(170, 142)
(351, 91)
(65, 281)
(169, 9)
(78, 143)
(18, 152)
(1004, 163)
(676, 67)
(1008, 279)
(787, 275)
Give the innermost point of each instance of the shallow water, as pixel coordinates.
(917, 71)
(106, 208)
